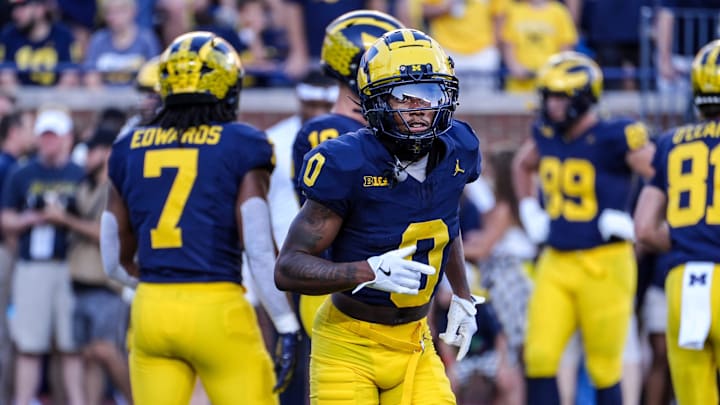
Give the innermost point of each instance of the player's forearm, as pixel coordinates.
(651, 228)
(455, 270)
(307, 274)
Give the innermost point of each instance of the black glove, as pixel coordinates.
(286, 349)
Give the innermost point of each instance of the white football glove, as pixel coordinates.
(461, 325)
(534, 219)
(616, 223)
(393, 273)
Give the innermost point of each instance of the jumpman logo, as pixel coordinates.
(457, 168)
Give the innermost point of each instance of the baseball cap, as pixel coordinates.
(55, 121)
(103, 136)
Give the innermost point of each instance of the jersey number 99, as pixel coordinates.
(568, 188)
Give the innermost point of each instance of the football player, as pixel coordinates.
(678, 212)
(385, 200)
(346, 39)
(188, 195)
(586, 275)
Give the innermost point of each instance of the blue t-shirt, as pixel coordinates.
(349, 175)
(30, 186)
(318, 14)
(181, 193)
(40, 60)
(120, 66)
(613, 21)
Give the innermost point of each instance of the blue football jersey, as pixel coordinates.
(687, 169)
(314, 132)
(350, 175)
(181, 197)
(582, 177)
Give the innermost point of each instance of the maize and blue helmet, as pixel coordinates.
(407, 63)
(705, 78)
(572, 75)
(346, 39)
(200, 68)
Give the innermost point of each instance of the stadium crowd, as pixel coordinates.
(64, 323)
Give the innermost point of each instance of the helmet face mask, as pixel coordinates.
(408, 92)
(200, 67)
(575, 77)
(347, 38)
(705, 78)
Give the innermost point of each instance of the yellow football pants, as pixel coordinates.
(208, 329)
(588, 289)
(309, 306)
(693, 371)
(358, 363)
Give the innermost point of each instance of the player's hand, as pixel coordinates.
(534, 219)
(285, 358)
(616, 223)
(393, 273)
(461, 325)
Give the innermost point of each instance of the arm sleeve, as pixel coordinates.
(260, 251)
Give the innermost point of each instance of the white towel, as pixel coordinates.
(695, 312)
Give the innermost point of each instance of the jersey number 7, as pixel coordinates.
(166, 233)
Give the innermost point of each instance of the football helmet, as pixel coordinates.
(346, 39)
(705, 76)
(407, 65)
(200, 67)
(575, 76)
(148, 77)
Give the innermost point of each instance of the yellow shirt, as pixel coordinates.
(470, 32)
(536, 33)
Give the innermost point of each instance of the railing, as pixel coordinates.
(692, 29)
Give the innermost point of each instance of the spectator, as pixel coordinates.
(7, 103)
(117, 52)
(487, 374)
(16, 140)
(533, 31)
(683, 26)
(306, 22)
(79, 16)
(38, 50)
(611, 30)
(469, 31)
(41, 291)
(100, 315)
